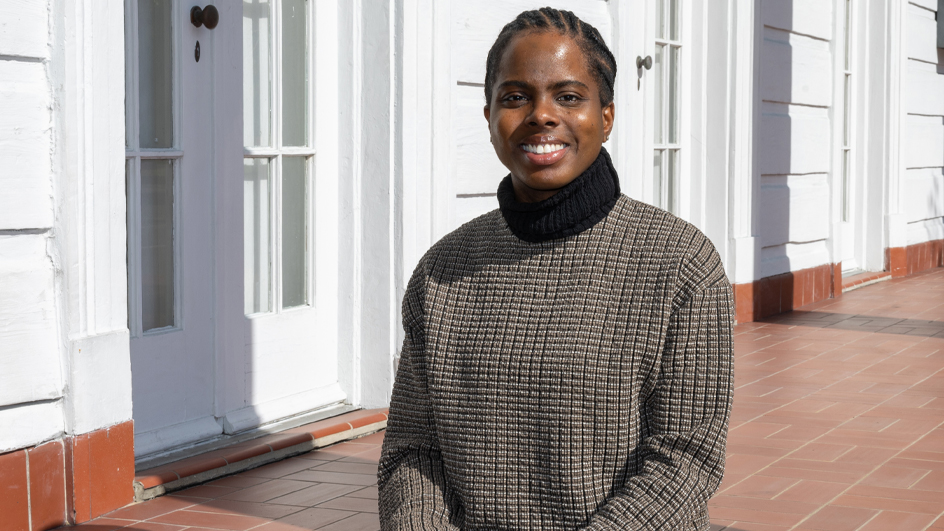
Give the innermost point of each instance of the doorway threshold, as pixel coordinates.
(856, 279)
(222, 458)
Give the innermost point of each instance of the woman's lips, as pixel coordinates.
(542, 154)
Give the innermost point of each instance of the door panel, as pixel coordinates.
(170, 195)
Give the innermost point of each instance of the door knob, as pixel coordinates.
(208, 16)
(644, 63)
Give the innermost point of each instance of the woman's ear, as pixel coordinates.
(608, 117)
(488, 115)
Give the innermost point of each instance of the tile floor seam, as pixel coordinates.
(834, 498)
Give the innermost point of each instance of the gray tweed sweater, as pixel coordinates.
(578, 383)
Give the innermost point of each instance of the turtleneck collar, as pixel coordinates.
(574, 209)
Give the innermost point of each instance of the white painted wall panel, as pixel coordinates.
(927, 4)
(25, 146)
(923, 194)
(468, 208)
(30, 424)
(795, 209)
(923, 89)
(24, 28)
(100, 388)
(924, 141)
(792, 257)
(29, 335)
(795, 69)
(809, 17)
(925, 230)
(478, 169)
(793, 139)
(921, 34)
(477, 24)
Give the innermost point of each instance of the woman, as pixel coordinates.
(568, 357)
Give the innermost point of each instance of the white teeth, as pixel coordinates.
(542, 148)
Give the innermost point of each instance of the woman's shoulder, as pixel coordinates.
(663, 236)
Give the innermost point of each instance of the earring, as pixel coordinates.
(607, 139)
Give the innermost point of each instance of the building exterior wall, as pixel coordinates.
(65, 401)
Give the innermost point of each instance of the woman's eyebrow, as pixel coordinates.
(568, 83)
(518, 84)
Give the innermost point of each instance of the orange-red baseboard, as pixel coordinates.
(69, 480)
(781, 293)
(904, 261)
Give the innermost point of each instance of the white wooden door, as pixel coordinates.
(170, 198)
(232, 237)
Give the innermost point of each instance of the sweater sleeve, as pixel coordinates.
(414, 491)
(685, 419)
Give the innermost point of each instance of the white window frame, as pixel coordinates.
(275, 154)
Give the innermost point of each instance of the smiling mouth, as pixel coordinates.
(541, 149)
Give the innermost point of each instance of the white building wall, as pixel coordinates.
(31, 383)
(64, 365)
(922, 130)
(794, 140)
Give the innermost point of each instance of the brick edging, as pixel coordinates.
(257, 452)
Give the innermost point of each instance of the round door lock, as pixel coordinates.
(208, 16)
(644, 63)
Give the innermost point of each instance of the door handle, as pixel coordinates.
(644, 63)
(208, 16)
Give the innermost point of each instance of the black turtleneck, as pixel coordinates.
(574, 209)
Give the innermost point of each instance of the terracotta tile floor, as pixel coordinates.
(838, 424)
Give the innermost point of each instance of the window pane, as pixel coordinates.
(294, 73)
(671, 181)
(155, 74)
(846, 184)
(847, 107)
(657, 93)
(848, 32)
(257, 224)
(660, 19)
(657, 179)
(673, 89)
(257, 87)
(157, 244)
(674, 20)
(294, 232)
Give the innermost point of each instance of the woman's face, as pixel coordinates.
(545, 117)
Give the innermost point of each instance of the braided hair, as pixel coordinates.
(600, 60)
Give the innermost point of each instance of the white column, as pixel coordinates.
(89, 87)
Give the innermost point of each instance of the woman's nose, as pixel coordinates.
(543, 112)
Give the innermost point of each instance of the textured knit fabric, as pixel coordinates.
(574, 209)
(576, 383)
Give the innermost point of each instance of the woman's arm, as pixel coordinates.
(687, 419)
(413, 489)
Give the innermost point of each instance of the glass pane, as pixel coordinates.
(673, 103)
(847, 107)
(671, 182)
(848, 33)
(294, 232)
(155, 74)
(674, 20)
(257, 225)
(660, 19)
(257, 85)
(294, 73)
(157, 244)
(657, 179)
(845, 185)
(657, 93)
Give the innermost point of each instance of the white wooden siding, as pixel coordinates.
(794, 140)
(804, 17)
(28, 322)
(922, 185)
(25, 146)
(24, 29)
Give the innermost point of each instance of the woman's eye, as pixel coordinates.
(569, 98)
(514, 98)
